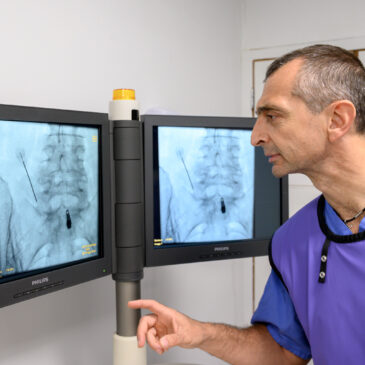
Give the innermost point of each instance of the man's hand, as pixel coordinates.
(166, 327)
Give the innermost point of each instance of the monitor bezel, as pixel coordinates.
(205, 252)
(71, 274)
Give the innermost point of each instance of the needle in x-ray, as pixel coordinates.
(187, 172)
(68, 219)
(30, 181)
(223, 206)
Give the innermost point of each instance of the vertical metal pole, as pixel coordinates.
(127, 319)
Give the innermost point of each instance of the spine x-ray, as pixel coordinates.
(206, 185)
(49, 195)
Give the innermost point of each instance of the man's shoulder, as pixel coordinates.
(302, 215)
(298, 228)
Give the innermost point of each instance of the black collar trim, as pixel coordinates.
(329, 234)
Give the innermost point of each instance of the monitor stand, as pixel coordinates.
(127, 228)
(125, 348)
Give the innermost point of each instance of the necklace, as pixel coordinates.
(353, 218)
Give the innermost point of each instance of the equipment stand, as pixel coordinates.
(128, 237)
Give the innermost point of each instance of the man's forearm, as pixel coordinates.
(166, 328)
(251, 346)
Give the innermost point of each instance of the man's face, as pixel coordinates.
(293, 138)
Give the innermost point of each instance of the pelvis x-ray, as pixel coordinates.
(206, 180)
(49, 195)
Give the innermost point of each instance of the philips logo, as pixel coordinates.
(40, 281)
(226, 248)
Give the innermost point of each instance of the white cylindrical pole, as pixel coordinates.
(127, 352)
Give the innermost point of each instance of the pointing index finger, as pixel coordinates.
(149, 304)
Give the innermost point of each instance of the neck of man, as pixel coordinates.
(340, 176)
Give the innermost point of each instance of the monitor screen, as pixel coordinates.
(52, 211)
(206, 176)
(209, 193)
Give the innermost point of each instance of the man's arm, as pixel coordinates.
(166, 328)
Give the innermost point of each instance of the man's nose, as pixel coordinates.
(259, 134)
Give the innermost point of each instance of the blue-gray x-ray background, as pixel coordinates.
(49, 195)
(206, 180)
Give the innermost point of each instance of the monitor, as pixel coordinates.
(54, 200)
(209, 194)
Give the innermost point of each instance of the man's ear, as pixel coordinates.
(342, 114)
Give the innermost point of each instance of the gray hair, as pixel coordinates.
(327, 74)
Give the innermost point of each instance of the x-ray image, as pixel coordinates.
(206, 182)
(49, 195)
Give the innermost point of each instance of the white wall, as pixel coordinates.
(271, 28)
(180, 55)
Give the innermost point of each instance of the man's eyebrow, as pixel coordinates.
(271, 108)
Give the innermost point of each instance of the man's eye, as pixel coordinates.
(270, 116)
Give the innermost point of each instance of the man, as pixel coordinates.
(311, 120)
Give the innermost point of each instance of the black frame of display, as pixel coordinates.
(213, 250)
(44, 281)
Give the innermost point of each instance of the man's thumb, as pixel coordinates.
(169, 341)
